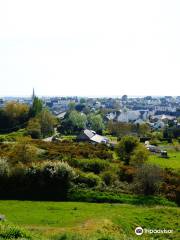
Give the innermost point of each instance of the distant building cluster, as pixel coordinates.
(155, 111)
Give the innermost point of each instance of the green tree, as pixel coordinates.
(36, 107)
(13, 116)
(78, 120)
(119, 129)
(34, 128)
(96, 122)
(126, 147)
(71, 106)
(139, 155)
(47, 122)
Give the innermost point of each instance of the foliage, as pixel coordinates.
(139, 155)
(170, 186)
(171, 132)
(109, 177)
(13, 117)
(10, 231)
(87, 179)
(36, 107)
(46, 180)
(95, 122)
(148, 179)
(120, 129)
(91, 165)
(23, 151)
(73, 150)
(126, 147)
(47, 122)
(126, 173)
(73, 122)
(13, 136)
(4, 167)
(34, 128)
(87, 195)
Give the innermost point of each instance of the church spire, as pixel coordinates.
(33, 95)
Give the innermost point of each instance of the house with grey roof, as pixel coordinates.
(92, 136)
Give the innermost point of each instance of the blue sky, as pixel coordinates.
(95, 47)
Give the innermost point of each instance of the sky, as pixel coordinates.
(89, 48)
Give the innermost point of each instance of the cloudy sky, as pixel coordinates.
(97, 47)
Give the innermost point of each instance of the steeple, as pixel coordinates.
(33, 95)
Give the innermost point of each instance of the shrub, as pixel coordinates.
(47, 180)
(23, 151)
(170, 186)
(109, 177)
(9, 231)
(125, 148)
(139, 155)
(88, 179)
(4, 167)
(147, 179)
(126, 173)
(91, 165)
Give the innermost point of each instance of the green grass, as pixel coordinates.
(68, 137)
(90, 219)
(9, 137)
(172, 162)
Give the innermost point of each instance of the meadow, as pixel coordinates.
(173, 160)
(77, 220)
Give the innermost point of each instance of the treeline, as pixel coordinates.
(75, 121)
(38, 121)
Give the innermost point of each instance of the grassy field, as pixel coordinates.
(172, 162)
(90, 219)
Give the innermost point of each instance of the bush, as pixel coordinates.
(4, 167)
(125, 148)
(91, 165)
(88, 179)
(9, 231)
(171, 185)
(147, 179)
(109, 177)
(48, 180)
(23, 151)
(126, 173)
(139, 155)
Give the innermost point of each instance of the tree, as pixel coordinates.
(13, 117)
(139, 155)
(96, 122)
(78, 120)
(36, 107)
(143, 130)
(126, 147)
(34, 128)
(16, 110)
(47, 122)
(71, 106)
(119, 129)
(148, 179)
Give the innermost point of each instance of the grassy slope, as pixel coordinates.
(172, 162)
(57, 217)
